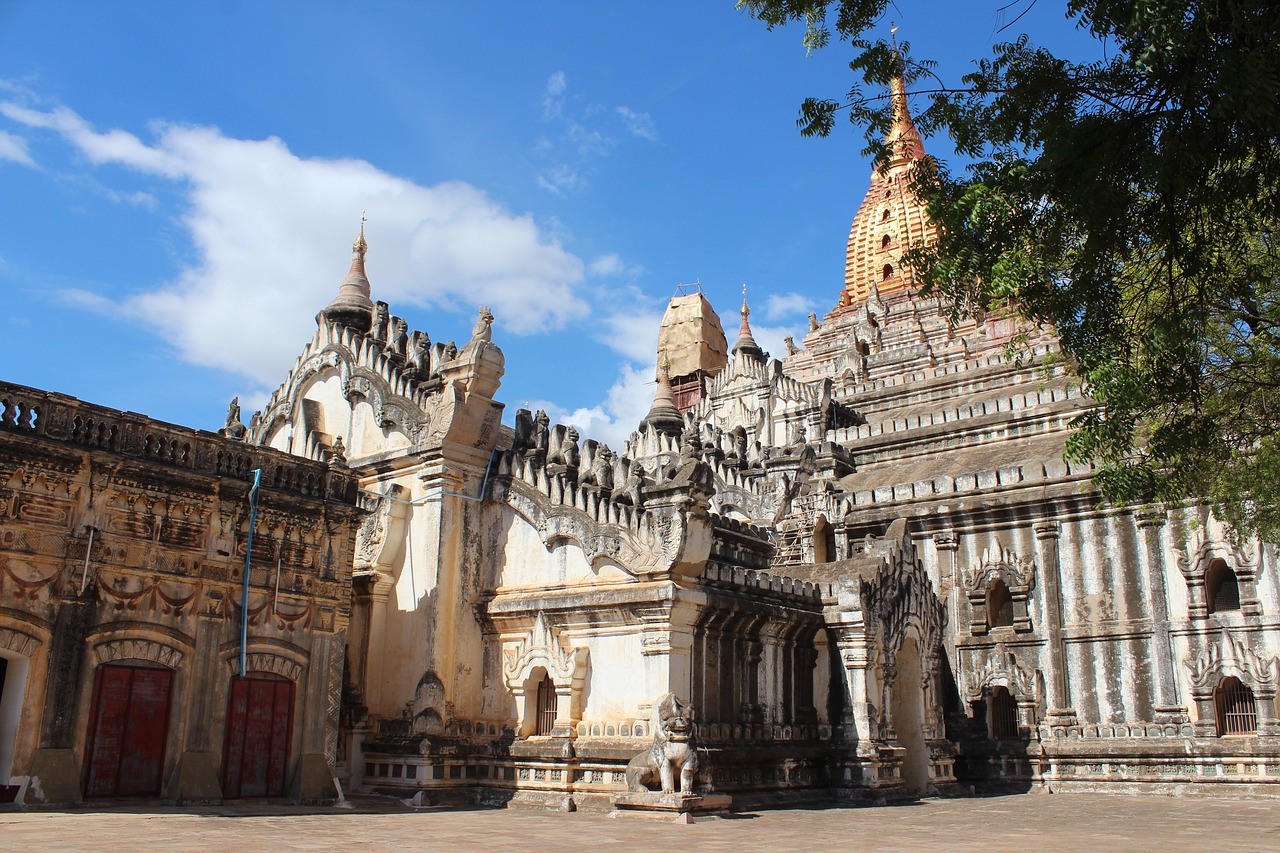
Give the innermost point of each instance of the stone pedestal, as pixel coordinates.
(681, 807)
(1061, 718)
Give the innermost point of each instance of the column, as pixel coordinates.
(1167, 709)
(1057, 678)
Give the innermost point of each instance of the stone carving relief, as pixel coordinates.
(1001, 669)
(901, 595)
(1214, 541)
(135, 649)
(1231, 656)
(542, 648)
(379, 539)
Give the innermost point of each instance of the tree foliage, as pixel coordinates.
(1132, 203)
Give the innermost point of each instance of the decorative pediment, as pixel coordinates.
(541, 648)
(1231, 656)
(1000, 669)
(139, 649)
(1018, 573)
(901, 595)
(1214, 541)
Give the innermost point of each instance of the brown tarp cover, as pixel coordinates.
(691, 337)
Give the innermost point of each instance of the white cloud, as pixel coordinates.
(78, 298)
(256, 213)
(781, 305)
(639, 124)
(553, 96)
(114, 146)
(559, 179)
(612, 421)
(633, 334)
(612, 266)
(770, 338)
(14, 149)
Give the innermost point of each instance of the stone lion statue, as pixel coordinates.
(674, 748)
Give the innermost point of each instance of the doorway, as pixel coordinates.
(128, 727)
(908, 718)
(259, 728)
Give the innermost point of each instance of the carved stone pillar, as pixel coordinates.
(565, 725)
(1167, 709)
(1060, 711)
(198, 765)
(379, 592)
(54, 761)
(855, 653)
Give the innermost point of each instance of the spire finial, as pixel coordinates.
(746, 341)
(903, 140)
(360, 245)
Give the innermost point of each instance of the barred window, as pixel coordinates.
(546, 720)
(1237, 713)
(1002, 714)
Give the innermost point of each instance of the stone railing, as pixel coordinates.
(57, 417)
(736, 577)
(1148, 731)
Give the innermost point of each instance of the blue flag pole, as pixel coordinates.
(248, 555)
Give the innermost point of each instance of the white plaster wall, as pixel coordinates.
(619, 677)
(527, 562)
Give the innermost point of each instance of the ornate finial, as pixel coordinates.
(664, 365)
(745, 309)
(360, 245)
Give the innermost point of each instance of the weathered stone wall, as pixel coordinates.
(123, 540)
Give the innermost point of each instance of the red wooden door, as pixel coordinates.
(259, 727)
(128, 726)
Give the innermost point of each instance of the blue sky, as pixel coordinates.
(180, 183)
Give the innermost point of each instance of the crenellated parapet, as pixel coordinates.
(398, 388)
(76, 424)
(649, 520)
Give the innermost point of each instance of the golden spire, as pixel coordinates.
(902, 140)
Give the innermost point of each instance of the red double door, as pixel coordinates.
(259, 727)
(128, 726)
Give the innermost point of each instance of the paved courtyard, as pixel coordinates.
(1037, 822)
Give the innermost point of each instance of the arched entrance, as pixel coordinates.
(128, 727)
(908, 718)
(13, 681)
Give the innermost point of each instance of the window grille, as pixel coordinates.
(1003, 714)
(546, 707)
(1237, 713)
